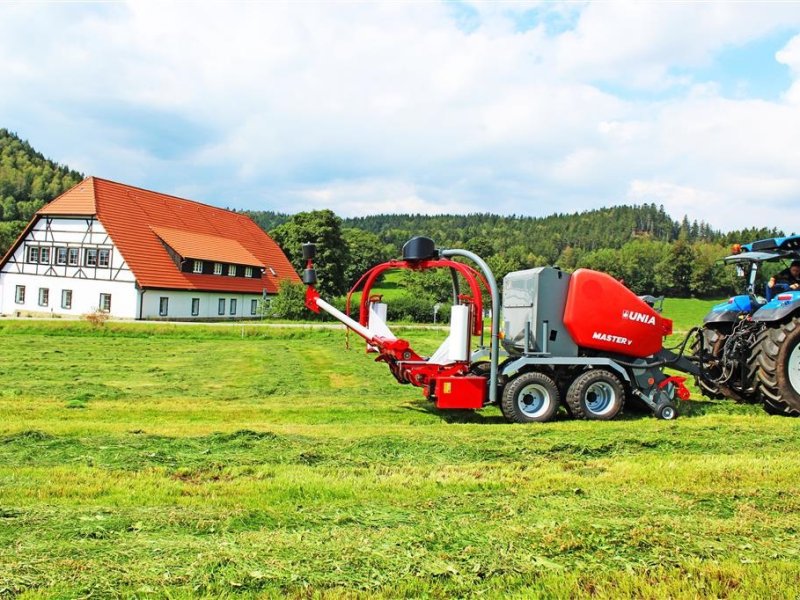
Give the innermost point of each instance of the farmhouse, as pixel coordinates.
(137, 254)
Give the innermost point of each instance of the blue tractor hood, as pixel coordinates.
(731, 309)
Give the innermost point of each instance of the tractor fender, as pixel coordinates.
(778, 310)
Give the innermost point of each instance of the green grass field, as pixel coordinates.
(173, 461)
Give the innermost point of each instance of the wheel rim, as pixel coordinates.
(668, 412)
(600, 397)
(793, 367)
(533, 399)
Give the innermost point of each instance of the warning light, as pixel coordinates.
(736, 249)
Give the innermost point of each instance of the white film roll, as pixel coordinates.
(459, 333)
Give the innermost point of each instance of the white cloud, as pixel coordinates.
(388, 106)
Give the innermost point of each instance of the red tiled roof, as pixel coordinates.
(136, 219)
(78, 200)
(190, 244)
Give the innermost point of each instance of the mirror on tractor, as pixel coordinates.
(740, 271)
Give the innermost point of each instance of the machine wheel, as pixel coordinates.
(778, 370)
(530, 397)
(709, 343)
(483, 369)
(667, 411)
(596, 394)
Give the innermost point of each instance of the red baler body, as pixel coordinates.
(602, 314)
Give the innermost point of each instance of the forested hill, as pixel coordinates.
(28, 181)
(542, 237)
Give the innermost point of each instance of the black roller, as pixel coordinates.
(419, 248)
(309, 276)
(309, 251)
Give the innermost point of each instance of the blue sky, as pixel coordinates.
(523, 107)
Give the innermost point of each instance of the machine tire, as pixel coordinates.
(597, 395)
(778, 368)
(666, 411)
(709, 343)
(483, 369)
(530, 397)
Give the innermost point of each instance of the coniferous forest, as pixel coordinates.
(642, 245)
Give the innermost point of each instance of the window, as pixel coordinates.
(221, 306)
(217, 268)
(90, 257)
(19, 298)
(66, 298)
(232, 270)
(248, 271)
(44, 296)
(33, 254)
(197, 267)
(44, 256)
(163, 306)
(103, 257)
(195, 306)
(72, 256)
(105, 302)
(253, 306)
(233, 306)
(61, 256)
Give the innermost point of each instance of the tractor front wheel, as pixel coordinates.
(779, 368)
(530, 398)
(596, 394)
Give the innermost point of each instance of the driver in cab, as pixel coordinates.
(790, 276)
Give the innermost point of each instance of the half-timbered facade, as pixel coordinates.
(136, 254)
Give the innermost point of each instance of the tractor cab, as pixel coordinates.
(750, 260)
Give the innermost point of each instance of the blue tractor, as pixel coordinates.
(749, 346)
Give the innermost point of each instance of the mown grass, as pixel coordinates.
(153, 461)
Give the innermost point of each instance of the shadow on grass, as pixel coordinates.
(454, 416)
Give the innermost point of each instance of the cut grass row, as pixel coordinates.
(153, 461)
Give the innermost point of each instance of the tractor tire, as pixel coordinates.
(597, 395)
(530, 397)
(709, 344)
(778, 368)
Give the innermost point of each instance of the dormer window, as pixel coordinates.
(232, 270)
(248, 271)
(217, 268)
(197, 267)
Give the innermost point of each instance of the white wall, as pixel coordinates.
(85, 295)
(180, 304)
(86, 282)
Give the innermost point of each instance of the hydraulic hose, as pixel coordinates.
(664, 362)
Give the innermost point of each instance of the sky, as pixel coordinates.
(526, 108)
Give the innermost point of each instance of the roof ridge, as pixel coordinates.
(173, 196)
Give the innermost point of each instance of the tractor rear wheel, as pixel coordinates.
(530, 398)
(596, 394)
(709, 344)
(778, 369)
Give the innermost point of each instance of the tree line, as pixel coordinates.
(28, 181)
(641, 245)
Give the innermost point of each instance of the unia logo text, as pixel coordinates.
(638, 317)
